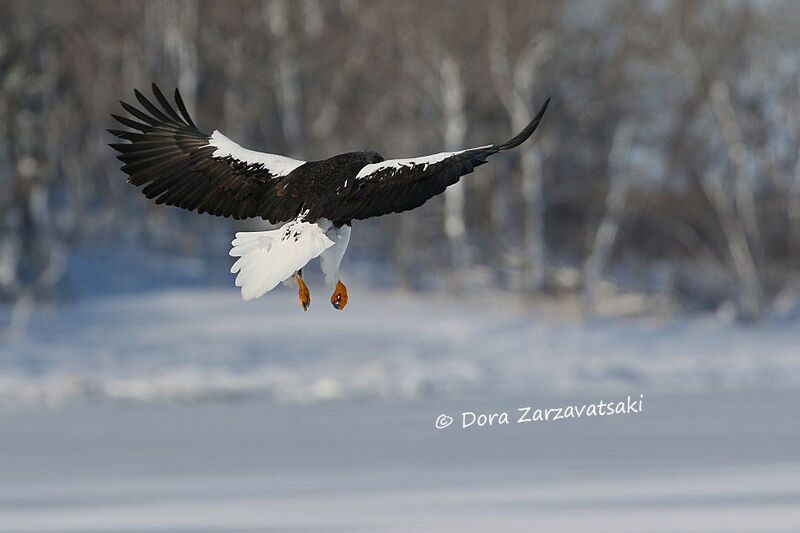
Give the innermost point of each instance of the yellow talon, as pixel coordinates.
(303, 293)
(339, 296)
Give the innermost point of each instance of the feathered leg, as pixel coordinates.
(303, 292)
(330, 260)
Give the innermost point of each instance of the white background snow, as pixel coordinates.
(190, 410)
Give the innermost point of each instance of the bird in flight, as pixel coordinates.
(315, 201)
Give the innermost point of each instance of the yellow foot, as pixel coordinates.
(304, 294)
(339, 297)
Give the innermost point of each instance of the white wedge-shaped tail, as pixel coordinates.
(267, 258)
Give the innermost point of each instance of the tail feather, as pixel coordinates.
(268, 257)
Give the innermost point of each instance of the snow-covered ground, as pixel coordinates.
(188, 410)
(189, 344)
(699, 463)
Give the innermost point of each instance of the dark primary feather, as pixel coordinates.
(393, 190)
(171, 159)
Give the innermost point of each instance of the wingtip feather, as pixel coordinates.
(528, 130)
(182, 108)
(164, 103)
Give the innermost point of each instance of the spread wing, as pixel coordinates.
(177, 164)
(397, 185)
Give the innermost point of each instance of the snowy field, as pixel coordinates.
(703, 463)
(191, 344)
(191, 411)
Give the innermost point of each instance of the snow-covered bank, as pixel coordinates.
(192, 344)
(714, 447)
(699, 463)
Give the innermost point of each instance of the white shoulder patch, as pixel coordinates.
(277, 164)
(422, 161)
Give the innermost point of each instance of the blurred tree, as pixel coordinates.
(672, 138)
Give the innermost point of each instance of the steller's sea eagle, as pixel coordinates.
(315, 200)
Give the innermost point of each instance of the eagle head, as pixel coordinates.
(372, 157)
